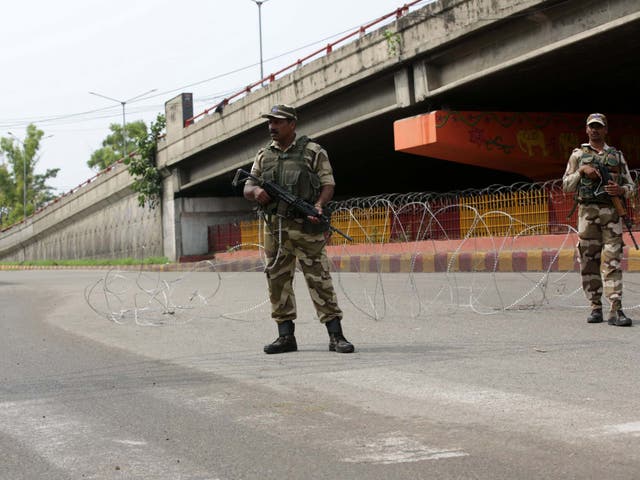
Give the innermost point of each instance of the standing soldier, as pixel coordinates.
(599, 224)
(302, 167)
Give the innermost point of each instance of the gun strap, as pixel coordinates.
(573, 209)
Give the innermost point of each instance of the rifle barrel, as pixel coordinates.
(277, 192)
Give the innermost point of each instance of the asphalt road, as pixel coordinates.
(161, 376)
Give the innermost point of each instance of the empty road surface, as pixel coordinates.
(118, 375)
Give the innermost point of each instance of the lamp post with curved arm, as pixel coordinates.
(259, 4)
(123, 103)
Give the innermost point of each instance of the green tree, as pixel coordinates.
(22, 158)
(142, 166)
(7, 194)
(112, 150)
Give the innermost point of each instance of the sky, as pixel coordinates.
(146, 51)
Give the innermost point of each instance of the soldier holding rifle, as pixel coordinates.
(302, 167)
(599, 175)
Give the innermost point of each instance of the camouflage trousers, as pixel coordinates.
(284, 243)
(600, 248)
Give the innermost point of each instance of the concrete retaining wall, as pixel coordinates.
(101, 219)
(197, 214)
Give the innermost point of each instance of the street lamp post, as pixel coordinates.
(259, 4)
(123, 103)
(24, 172)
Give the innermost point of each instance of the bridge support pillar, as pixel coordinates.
(426, 77)
(171, 218)
(403, 81)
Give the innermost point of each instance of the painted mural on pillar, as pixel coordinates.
(534, 144)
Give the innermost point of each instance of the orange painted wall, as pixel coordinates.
(533, 144)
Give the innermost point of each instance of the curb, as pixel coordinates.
(518, 261)
(562, 260)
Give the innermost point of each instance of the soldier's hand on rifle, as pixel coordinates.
(613, 189)
(589, 172)
(260, 195)
(313, 219)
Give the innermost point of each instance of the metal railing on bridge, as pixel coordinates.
(398, 12)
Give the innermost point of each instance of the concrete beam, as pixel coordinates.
(358, 81)
(526, 37)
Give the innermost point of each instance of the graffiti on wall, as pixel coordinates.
(533, 144)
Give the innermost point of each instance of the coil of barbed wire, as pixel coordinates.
(417, 224)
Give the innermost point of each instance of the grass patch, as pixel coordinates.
(90, 262)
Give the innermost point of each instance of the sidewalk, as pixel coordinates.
(536, 253)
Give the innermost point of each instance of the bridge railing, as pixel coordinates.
(62, 196)
(398, 12)
(521, 209)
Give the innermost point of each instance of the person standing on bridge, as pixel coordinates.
(302, 167)
(599, 224)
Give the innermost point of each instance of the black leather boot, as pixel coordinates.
(595, 316)
(337, 342)
(619, 319)
(285, 342)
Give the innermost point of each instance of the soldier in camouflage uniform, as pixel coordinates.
(599, 225)
(302, 167)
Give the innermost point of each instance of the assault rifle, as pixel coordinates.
(298, 205)
(617, 202)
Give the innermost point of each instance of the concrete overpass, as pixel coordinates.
(511, 55)
(488, 55)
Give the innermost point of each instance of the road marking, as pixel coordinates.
(84, 448)
(398, 448)
(389, 448)
(130, 442)
(446, 400)
(630, 428)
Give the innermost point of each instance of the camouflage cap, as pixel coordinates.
(282, 111)
(597, 118)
